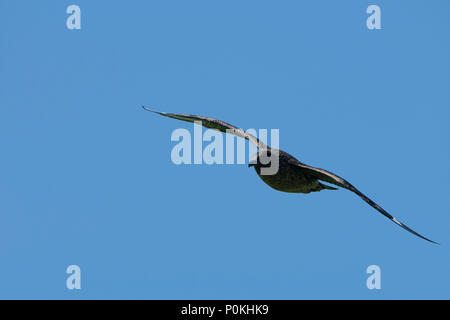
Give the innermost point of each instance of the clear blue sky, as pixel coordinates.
(86, 176)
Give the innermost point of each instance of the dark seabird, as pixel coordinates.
(292, 175)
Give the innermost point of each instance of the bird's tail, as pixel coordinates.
(324, 186)
(321, 186)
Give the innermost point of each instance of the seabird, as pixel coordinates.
(292, 175)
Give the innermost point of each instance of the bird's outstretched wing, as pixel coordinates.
(215, 124)
(329, 177)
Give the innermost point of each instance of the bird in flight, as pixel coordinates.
(292, 175)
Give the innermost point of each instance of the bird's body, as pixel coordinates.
(291, 175)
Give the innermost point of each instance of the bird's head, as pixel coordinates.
(259, 160)
(265, 162)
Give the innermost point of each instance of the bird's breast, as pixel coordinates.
(289, 179)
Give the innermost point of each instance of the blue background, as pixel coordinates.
(86, 176)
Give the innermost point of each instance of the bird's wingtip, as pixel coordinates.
(148, 109)
(154, 111)
(429, 240)
(396, 221)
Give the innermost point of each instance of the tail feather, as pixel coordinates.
(324, 186)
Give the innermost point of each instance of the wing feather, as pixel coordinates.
(330, 177)
(214, 124)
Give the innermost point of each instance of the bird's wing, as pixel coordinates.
(329, 177)
(215, 124)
